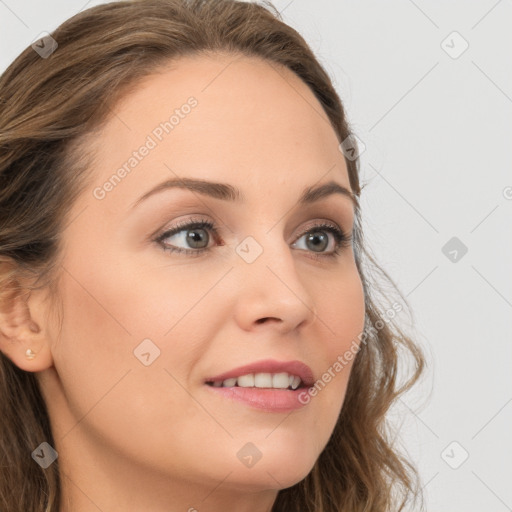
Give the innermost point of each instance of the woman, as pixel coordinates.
(187, 320)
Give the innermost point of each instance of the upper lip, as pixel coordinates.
(270, 366)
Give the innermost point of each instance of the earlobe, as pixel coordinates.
(34, 361)
(21, 338)
(30, 354)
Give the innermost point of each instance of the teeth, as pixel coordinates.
(280, 380)
(246, 381)
(262, 380)
(296, 382)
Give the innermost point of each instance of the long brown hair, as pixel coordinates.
(48, 108)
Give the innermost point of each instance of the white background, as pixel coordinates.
(438, 134)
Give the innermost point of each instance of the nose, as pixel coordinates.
(270, 292)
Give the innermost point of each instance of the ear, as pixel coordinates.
(22, 317)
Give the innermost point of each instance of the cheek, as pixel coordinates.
(341, 312)
(109, 392)
(341, 316)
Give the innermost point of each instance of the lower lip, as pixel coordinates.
(266, 399)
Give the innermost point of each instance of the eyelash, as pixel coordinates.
(341, 238)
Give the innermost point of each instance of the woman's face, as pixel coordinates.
(143, 328)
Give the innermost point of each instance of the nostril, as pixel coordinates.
(267, 318)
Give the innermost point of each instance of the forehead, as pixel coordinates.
(221, 117)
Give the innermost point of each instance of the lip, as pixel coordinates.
(269, 366)
(264, 399)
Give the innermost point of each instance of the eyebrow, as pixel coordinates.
(227, 192)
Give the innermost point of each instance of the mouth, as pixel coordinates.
(256, 392)
(271, 386)
(282, 380)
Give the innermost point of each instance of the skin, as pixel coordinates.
(132, 437)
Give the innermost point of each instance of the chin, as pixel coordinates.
(276, 478)
(275, 470)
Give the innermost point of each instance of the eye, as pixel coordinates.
(317, 240)
(193, 234)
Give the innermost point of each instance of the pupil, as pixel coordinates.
(318, 239)
(196, 236)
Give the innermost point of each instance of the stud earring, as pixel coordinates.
(30, 354)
